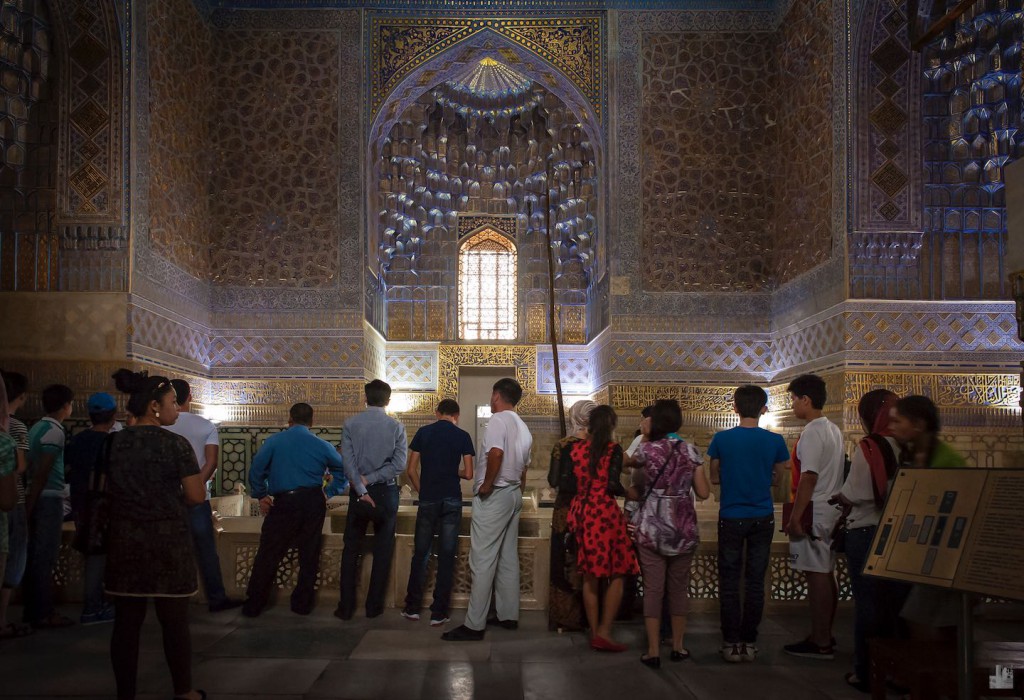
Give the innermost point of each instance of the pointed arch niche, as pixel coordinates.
(486, 131)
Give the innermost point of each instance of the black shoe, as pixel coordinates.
(463, 634)
(301, 611)
(370, 614)
(251, 611)
(680, 655)
(507, 624)
(651, 661)
(226, 604)
(342, 614)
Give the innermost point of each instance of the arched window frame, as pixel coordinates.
(488, 287)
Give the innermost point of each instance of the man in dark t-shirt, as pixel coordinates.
(80, 460)
(440, 454)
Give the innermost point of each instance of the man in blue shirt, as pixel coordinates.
(747, 461)
(373, 447)
(287, 476)
(442, 448)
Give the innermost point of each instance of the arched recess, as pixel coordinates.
(448, 66)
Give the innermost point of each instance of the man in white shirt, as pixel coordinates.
(497, 502)
(202, 435)
(820, 454)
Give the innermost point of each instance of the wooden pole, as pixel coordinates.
(551, 297)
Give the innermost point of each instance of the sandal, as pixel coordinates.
(14, 629)
(54, 621)
(650, 661)
(680, 655)
(854, 682)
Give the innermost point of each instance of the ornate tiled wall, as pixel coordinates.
(274, 184)
(802, 164)
(180, 155)
(887, 215)
(972, 116)
(707, 133)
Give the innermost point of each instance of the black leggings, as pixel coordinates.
(124, 642)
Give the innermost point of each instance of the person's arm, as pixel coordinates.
(348, 458)
(701, 487)
(412, 470)
(615, 487)
(8, 492)
(335, 467)
(495, 455)
(715, 467)
(22, 461)
(779, 472)
(259, 471)
(808, 480)
(467, 467)
(194, 489)
(211, 454)
(40, 475)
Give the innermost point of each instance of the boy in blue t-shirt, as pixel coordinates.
(746, 461)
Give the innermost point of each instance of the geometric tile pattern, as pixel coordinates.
(399, 45)
(805, 98)
(180, 153)
(92, 72)
(412, 370)
(274, 187)
(886, 215)
(575, 368)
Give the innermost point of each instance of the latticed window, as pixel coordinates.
(488, 308)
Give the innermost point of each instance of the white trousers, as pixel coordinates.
(494, 556)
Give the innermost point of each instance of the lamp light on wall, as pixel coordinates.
(216, 413)
(401, 402)
(770, 421)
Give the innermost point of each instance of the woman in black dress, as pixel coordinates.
(152, 476)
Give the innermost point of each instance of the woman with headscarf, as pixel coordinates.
(604, 549)
(931, 613)
(872, 467)
(565, 604)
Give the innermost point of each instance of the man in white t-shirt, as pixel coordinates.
(202, 435)
(497, 502)
(820, 454)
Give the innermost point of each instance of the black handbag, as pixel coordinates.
(92, 530)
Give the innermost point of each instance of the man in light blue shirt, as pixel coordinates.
(374, 449)
(287, 476)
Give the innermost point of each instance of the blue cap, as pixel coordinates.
(100, 402)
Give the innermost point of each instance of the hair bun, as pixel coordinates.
(129, 382)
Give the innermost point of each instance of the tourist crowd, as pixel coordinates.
(139, 496)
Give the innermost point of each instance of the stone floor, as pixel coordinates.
(281, 655)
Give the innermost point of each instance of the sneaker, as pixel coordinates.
(809, 650)
(226, 604)
(748, 652)
(410, 614)
(731, 653)
(437, 621)
(104, 614)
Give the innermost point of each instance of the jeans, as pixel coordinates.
(45, 525)
(386, 497)
(17, 529)
(200, 521)
(733, 535)
(443, 518)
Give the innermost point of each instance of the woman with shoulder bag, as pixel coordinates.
(665, 526)
(872, 467)
(565, 607)
(602, 541)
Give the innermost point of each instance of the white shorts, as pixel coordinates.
(815, 554)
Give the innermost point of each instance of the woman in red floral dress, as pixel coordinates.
(605, 550)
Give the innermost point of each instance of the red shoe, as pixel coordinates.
(602, 644)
